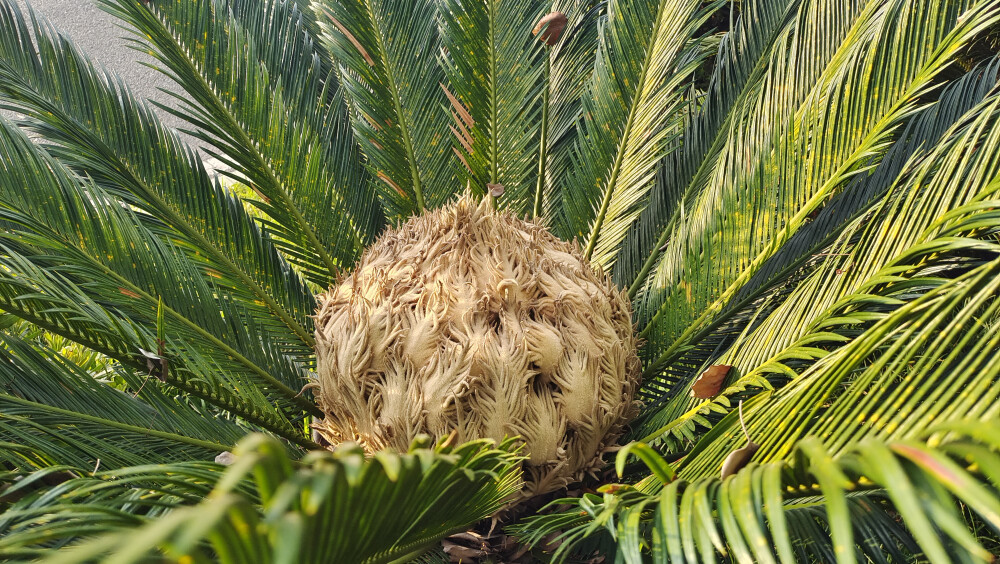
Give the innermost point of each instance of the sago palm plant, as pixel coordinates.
(753, 243)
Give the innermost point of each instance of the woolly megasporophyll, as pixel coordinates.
(473, 321)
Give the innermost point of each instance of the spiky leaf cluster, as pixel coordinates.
(802, 190)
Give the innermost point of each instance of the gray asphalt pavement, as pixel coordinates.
(98, 35)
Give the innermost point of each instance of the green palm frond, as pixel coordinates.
(46, 509)
(49, 300)
(742, 59)
(388, 54)
(887, 382)
(94, 125)
(772, 197)
(862, 256)
(804, 191)
(52, 404)
(778, 511)
(380, 511)
(496, 85)
(569, 66)
(631, 114)
(111, 258)
(303, 168)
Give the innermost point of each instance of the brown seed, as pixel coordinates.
(551, 27)
(738, 459)
(741, 456)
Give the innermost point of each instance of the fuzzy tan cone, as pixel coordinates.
(472, 321)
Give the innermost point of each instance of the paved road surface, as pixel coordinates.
(96, 33)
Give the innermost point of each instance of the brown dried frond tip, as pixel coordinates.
(470, 320)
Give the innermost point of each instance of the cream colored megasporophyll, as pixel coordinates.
(471, 320)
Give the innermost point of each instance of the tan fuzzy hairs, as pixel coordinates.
(470, 320)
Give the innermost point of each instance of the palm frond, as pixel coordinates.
(818, 506)
(864, 251)
(47, 509)
(331, 507)
(388, 51)
(91, 122)
(743, 57)
(569, 66)
(495, 89)
(708, 261)
(48, 299)
(887, 382)
(44, 395)
(304, 170)
(69, 235)
(631, 115)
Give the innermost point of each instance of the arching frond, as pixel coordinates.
(795, 327)
(290, 149)
(51, 405)
(291, 514)
(495, 90)
(631, 114)
(93, 123)
(67, 234)
(388, 51)
(743, 57)
(887, 382)
(800, 124)
(816, 507)
(569, 67)
(694, 299)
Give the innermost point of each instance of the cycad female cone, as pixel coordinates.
(470, 320)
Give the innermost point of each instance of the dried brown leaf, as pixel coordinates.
(741, 456)
(385, 178)
(710, 382)
(461, 157)
(350, 37)
(462, 137)
(551, 27)
(459, 553)
(459, 107)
